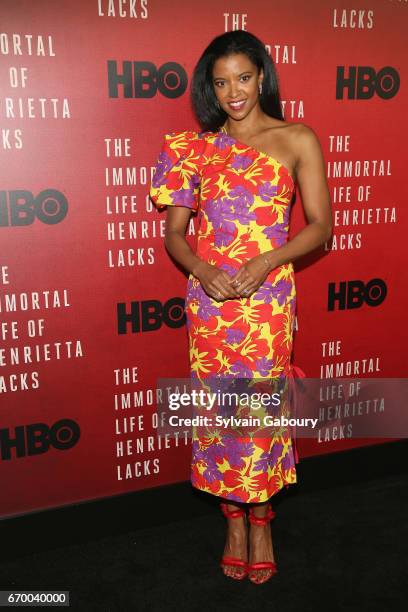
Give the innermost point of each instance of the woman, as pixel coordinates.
(240, 175)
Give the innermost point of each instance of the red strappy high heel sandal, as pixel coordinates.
(233, 561)
(269, 565)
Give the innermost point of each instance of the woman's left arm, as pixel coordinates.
(315, 195)
(314, 190)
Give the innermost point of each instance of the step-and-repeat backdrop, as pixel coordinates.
(91, 305)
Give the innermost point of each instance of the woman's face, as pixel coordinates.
(236, 81)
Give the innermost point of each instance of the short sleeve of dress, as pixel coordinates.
(176, 179)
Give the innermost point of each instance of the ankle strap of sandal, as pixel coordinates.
(261, 520)
(231, 513)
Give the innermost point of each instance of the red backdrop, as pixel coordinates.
(77, 152)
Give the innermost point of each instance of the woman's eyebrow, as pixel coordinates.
(245, 72)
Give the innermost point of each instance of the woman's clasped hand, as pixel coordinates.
(218, 284)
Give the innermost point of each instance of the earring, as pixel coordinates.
(260, 88)
(218, 104)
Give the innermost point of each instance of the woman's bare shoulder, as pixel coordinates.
(298, 137)
(306, 146)
(302, 133)
(293, 130)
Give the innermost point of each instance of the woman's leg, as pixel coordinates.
(260, 543)
(237, 540)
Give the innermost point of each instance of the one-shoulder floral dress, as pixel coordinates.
(243, 198)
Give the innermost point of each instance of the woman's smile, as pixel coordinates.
(239, 105)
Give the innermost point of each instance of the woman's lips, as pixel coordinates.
(237, 105)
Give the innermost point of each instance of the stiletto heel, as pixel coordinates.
(270, 565)
(233, 561)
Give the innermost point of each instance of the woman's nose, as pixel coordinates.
(234, 91)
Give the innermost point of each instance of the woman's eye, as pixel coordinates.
(245, 78)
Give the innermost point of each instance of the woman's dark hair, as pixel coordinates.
(204, 100)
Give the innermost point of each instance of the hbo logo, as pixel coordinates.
(363, 82)
(37, 438)
(150, 315)
(143, 79)
(20, 207)
(353, 294)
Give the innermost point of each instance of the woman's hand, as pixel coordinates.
(215, 282)
(252, 274)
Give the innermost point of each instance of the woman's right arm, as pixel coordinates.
(212, 279)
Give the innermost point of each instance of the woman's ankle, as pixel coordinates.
(231, 507)
(260, 510)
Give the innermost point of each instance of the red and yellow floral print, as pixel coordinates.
(242, 197)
